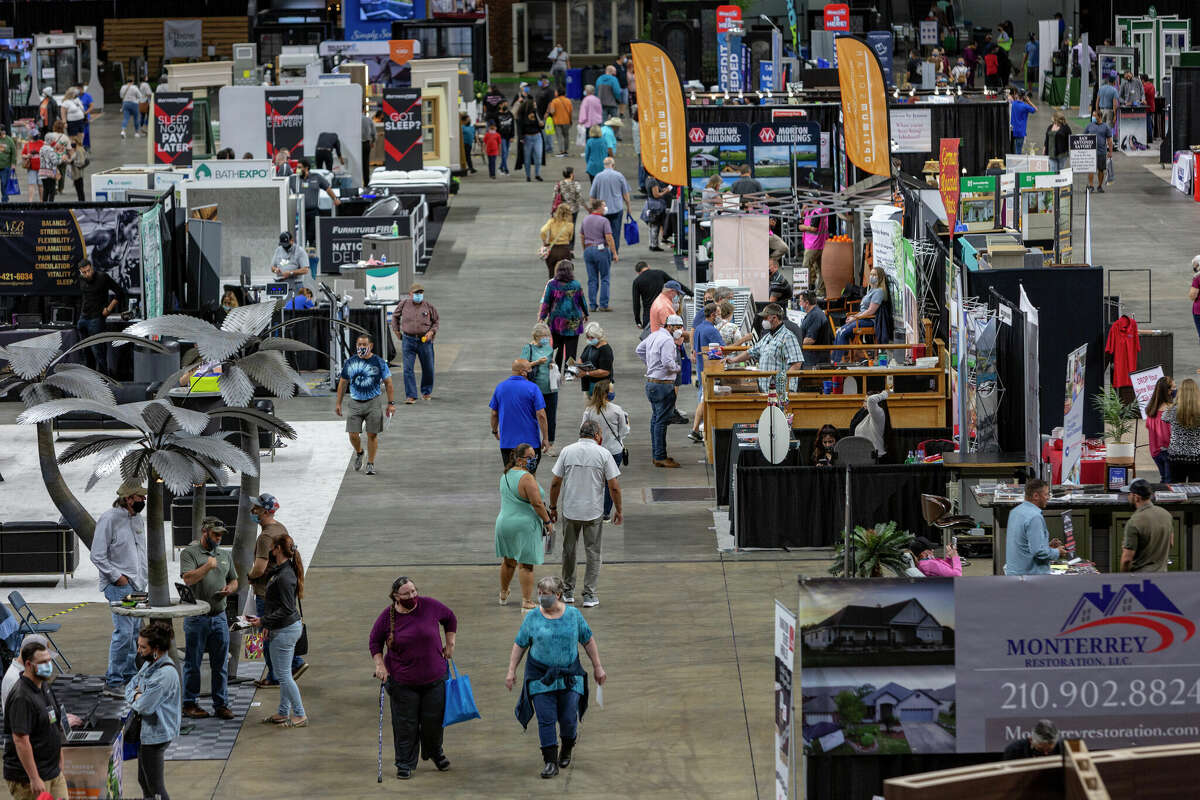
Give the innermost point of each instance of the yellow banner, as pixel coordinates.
(864, 106)
(660, 114)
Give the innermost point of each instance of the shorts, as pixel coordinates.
(33, 177)
(369, 412)
(1101, 161)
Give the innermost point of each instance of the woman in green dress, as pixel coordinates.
(522, 520)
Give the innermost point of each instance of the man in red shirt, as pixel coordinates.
(491, 147)
(1148, 88)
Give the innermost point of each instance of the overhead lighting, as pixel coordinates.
(912, 91)
(960, 90)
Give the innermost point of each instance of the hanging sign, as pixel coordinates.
(402, 134)
(837, 17)
(948, 180)
(1083, 153)
(285, 122)
(781, 150)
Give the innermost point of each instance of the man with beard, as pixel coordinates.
(119, 553)
(96, 304)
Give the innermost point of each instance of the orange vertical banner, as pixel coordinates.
(864, 106)
(948, 173)
(661, 123)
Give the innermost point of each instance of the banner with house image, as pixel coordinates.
(717, 148)
(877, 666)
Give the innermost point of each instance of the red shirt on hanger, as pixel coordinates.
(1123, 345)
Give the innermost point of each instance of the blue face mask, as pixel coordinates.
(45, 669)
(612, 396)
(418, 297)
(593, 342)
(531, 464)
(544, 341)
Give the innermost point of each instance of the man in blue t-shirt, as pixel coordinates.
(1104, 146)
(704, 333)
(1018, 114)
(519, 414)
(366, 375)
(1106, 99)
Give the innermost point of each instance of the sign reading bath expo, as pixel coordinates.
(969, 665)
(233, 169)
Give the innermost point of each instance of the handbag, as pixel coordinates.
(144, 107)
(558, 199)
(624, 449)
(460, 700)
(555, 376)
(631, 230)
(580, 136)
(302, 642)
(253, 645)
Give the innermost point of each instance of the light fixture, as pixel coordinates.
(960, 90)
(912, 91)
(693, 99)
(726, 94)
(741, 98)
(896, 92)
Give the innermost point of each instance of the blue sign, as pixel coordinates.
(766, 76)
(372, 19)
(729, 62)
(883, 43)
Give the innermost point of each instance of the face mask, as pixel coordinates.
(45, 669)
(363, 352)
(678, 334)
(531, 463)
(138, 505)
(544, 341)
(593, 342)
(612, 396)
(256, 516)
(873, 280)
(767, 325)
(1173, 392)
(142, 660)
(418, 297)
(227, 307)
(547, 600)
(408, 603)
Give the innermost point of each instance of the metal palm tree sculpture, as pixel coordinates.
(169, 451)
(37, 368)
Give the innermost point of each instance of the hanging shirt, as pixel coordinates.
(1123, 345)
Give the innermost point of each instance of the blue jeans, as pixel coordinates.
(533, 154)
(504, 143)
(206, 634)
(95, 356)
(1196, 320)
(129, 111)
(122, 650)
(560, 707)
(662, 403)
(1164, 467)
(1018, 144)
(608, 503)
(614, 224)
(413, 348)
(282, 645)
(260, 606)
(599, 264)
(846, 333)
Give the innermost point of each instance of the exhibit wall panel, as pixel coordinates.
(251, 218)
(335, 109)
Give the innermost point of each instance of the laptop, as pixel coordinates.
(185, 593)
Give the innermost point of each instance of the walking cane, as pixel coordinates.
(381, 690)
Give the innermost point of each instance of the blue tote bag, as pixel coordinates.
(460, 700)
(631, 230)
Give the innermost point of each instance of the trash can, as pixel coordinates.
(575, 84)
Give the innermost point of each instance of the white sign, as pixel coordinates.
(885, 227)
(1005, 314)
(1083, 153)
(233, 169)
(785, 651)
(1075, 399)
(181, 38)
(825, 143)
(1056, 180)
(911, 130)
(929, 31)
(1144, 382)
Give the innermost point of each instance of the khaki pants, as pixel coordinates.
(590, 531)
(812, 263)
(56, 787)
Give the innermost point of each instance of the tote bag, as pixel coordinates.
(631, 230)
(460, 700)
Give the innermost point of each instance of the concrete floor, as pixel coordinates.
(684, 632)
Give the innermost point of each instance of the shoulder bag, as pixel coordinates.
(302, 642)
(624, 450)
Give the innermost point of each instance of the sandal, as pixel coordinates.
(275, 719)
(296, 723)
(526, 606)
(504, 597)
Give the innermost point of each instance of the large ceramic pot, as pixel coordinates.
(837, 267)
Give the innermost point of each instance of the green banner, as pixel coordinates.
(152, 266)
(978, 185)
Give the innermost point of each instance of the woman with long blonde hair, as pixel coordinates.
(557, 236)
(1184, 418)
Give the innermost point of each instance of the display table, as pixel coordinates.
(169, 613)
(1098, 520)
(986, 465)
(1091, 466)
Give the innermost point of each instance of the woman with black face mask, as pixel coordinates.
(406, 644)
(154, 695)
(555, 687)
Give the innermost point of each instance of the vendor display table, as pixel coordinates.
(986, 465)
(1098, 520)
(1091, 465)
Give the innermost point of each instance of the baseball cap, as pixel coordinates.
(130, 489)
(416, 287)
(771, 309)
(47, 91)
(37, 637)
(674, 319)
(1140, 487)
(285, 238)
(265, 501)
(920, 544)
(212, 524)
(673, 285)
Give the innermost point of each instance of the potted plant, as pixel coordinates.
(875, 549)
(1118, 422)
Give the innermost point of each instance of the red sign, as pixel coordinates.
(767, 135)
(729, 18)
(787, 113)
(696, 135)
(837, 17)
(948, 180)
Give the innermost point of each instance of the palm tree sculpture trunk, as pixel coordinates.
(244, 535)
(61, 495)
(156, 551)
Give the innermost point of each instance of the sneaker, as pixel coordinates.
(117, 691)
(403, 774)
(591, 602)
(569, 597)
(370, 468)
(358, 460)
(1100, 190)
(122, 133)
(696, 437)
(537, 177)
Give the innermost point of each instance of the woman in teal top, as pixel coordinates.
(520, 523)
(539, 353)
(595, 151)
(555, 685)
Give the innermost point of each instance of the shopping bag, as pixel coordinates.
(252, 645)
(580, 136)
(460, 700)
(549, 129)
(13, 186)
(631, 230)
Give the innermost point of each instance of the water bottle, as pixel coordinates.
(920, 455)
(910, 458)
(395, 229)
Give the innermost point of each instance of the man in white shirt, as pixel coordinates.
(119, 553)
(581, 474)
(560, 60)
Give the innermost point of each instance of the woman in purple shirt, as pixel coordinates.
(406, 644)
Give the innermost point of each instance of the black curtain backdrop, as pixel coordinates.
(314, 330)
(981, 125)
(1070, 305)
(1185, 101)
(1010, 368)
(861, 777)
(28, 18)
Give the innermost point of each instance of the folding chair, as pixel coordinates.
(29, 623)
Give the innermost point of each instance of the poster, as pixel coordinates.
(948, 182)
(456, 9)
(884, 45)
(785, 648)
(386, 61)
(906, 322)
(150, 239)
(39, 252)
(716, 148)
(729, 48)
(1131, 131)
(929, 32)
(402, 131)
(912, 130)
(784, 154)
(339, 239)
(369, 20)
(1144, 381)
(1073, 415)
(837, 17)
(285, 122)
(1033, 388)
(977, 203)
(182, 38)
(238, 169)
(173, 128)
(1083, 153)
(864, 106)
